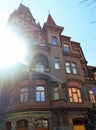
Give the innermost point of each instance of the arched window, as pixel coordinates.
(22, 124)
(24, 94)
(79, 121)
(75, 95)
(40, 93)
(42, 123)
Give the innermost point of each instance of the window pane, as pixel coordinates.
(35, 41)
(79, 94)
(57, 62)
(71, 99)
(70, 93)
(73, 89)
(39, 67)
(75, 95)
(37, 96)
(67, 48)
(80, 99)
(56, 93)
(42, 96)
(68, 68)
(40, 93)
(54, 41)
(92, 96)
(74, 68)
(24, 94)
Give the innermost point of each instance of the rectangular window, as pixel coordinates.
(40, 93)
(35, 41)
(24, 94)
(11, 95)
(71, 67)
(68, 67)
(67, 48)
(56, 93)
(54, 41)
(57, 62)
(39, 67)
(74, 68)
(92, 96)
(75, 95)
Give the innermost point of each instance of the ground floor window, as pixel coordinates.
(41, 123)
(22, 124)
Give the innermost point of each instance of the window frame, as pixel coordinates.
(54, 40)
(66, 47)
(39, 67)
(56, 93)
(74, 68)
(75, 95)
(40, 93)
(92, 96)
(23, 94)
(71, 69)
(68, 67)
(57, 63)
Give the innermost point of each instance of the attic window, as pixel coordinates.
(67, 48)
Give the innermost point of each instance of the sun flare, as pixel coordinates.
(12, 48)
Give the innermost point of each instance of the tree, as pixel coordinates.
(90, 2)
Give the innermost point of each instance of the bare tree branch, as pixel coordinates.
(92, 22)
(83, 1)
(91, 3)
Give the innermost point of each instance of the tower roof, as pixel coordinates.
(24, 10)
(50, 20)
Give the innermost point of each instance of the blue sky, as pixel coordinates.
(74, 17)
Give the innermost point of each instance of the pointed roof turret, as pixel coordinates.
(24, 10)
(50, 20)
(51, 24)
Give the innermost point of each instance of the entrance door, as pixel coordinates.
(8, 126)
(79, 127)
(79, 124)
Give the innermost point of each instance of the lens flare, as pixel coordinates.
(12, 48)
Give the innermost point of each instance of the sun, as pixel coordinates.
(12, 48)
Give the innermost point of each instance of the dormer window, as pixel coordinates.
(54, 41)
(67, 48)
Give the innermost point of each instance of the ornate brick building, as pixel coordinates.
(55, 89)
